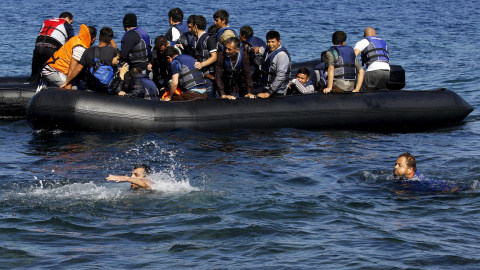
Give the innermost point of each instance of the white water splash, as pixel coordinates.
(168, 184)
(90, 191)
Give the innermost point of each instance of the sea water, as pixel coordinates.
(249, 199)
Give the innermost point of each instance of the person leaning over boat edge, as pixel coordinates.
(185, 76)
(138, 178)
(276, 67)
(54, 34)
(342, 66)
(374, 53)
(65, 60)
(301, 84)
(105, 52)
(232, 71)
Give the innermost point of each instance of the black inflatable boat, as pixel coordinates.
(15, 93)
(61, 109)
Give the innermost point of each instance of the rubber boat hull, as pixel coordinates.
(59, 109)
(15, 93)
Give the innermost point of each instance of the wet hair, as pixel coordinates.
(303, 71)
(66, 14)
(272, 35)
(106, 34)
(176, 14)
(93, 31)
(200, 22)
(339, 37)
(170, 51)
(410, 160)
(234, 40)
(221, 14)
(246, 31)
(160, 41)
(145, 167)
(191, 18)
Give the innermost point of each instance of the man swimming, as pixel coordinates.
(405, 173)
(138, 178)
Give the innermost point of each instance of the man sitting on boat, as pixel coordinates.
(375, 56)
(342, 66)
(232, 71)
(185, 76)
(276, 67)
(301, 84)
(138, 179)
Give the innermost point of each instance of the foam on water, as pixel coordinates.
(44, 190)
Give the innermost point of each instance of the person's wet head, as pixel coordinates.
(140, 171)
(405, 166)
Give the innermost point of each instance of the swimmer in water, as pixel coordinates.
(405, 172)
(406, 166)
(138, 178)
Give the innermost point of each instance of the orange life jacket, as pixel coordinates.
(177, 92)
(61, 59)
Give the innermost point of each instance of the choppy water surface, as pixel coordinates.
(281, 198)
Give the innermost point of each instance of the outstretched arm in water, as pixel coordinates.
(139, 182)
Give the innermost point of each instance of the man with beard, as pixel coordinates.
(407, 177)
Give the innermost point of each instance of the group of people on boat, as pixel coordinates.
(191, 62)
